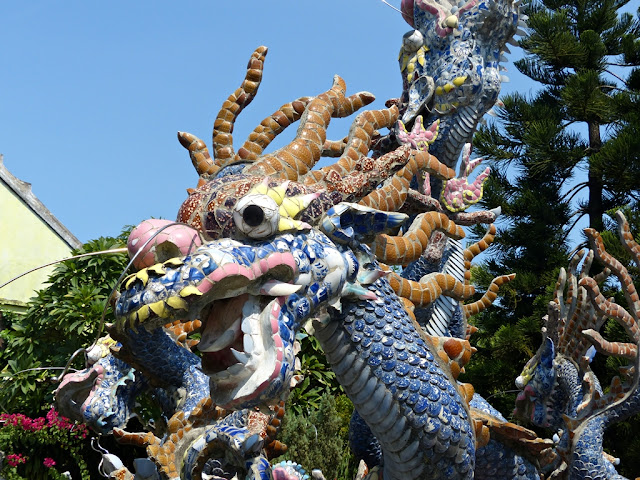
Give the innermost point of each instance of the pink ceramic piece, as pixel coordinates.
(407, 11)
(170, 241)
(458, 194)
(419, 137)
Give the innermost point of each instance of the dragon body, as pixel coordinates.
(267, 245)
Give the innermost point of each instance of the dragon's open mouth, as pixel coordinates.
(525, 407)
(242, 348)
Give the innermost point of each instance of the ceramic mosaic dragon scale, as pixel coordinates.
(559, 389)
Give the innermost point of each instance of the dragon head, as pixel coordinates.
(537, 382)
(450, 65)
(259, 274)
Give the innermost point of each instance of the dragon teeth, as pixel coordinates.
(275, 288)
(240, 356)
(236, 369)
(247, 343)
(246, 327)
(220, 343)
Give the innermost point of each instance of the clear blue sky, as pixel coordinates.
(93, 93)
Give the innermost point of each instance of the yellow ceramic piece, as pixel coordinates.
(262, 188)
(287, 223)
(292, 206)
(157, 269)
(189, 290)
(448, 87)
(405, 61)
(439, 91)
(177, 303)
(173, 262)
(143, 276)
(421, 53)
(143, 313)
(451, 21)
(159, 309)
(459, 80)
(279, 193)
(527, 374)
(129, 280)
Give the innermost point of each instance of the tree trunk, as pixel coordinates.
(595, 208)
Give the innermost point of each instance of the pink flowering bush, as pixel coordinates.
(34, 447)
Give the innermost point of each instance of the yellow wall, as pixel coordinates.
(26, 241)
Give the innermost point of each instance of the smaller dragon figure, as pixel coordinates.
(559, 390)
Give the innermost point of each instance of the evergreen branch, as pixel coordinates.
(564, 237)
(578, 186)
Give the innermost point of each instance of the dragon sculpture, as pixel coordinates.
(559, 390)
(266, 245)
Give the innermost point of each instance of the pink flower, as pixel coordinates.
(15, 459)
(49, 462)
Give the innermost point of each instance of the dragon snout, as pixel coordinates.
(156, 241)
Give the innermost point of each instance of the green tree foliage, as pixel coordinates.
(566, 152)
(531, 156)
(317, 377)
(585, 54)
(318, 437)
(61, 319)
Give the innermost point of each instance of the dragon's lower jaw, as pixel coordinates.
(243, 352)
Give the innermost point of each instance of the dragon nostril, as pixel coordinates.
(167, 250)
(253, 215)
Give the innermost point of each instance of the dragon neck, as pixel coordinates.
(398, 386)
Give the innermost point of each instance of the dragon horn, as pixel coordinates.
(304, 151)
(231, 108)
(198, 153)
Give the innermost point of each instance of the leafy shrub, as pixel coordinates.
(319, 437)
(62, 318)
(42, 448)
(318, 379)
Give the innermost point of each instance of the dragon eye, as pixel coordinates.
(257, 215)
(253, 215)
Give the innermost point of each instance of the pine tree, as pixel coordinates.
(532, 156)
(584, 53)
